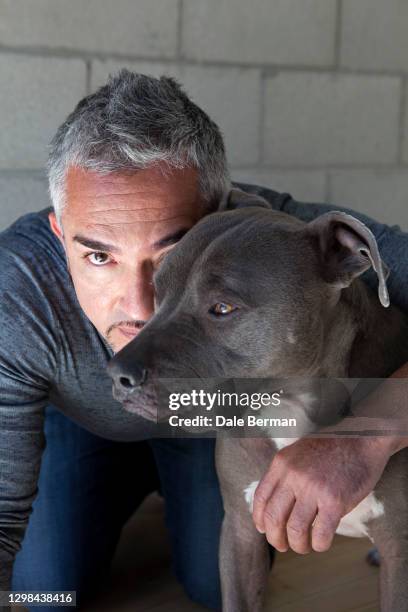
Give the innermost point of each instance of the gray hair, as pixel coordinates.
(131, 123)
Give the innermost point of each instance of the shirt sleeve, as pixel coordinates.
(392, 241)
(27, 363)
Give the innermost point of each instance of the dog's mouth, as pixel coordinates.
(150, 413)
(145, 404)
(142, 401)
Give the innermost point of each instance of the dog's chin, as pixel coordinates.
(150, 413)
(142, 402)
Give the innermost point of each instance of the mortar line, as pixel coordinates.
(88, 65)
(337, 34)
(401, 119)
(261, 126)
(33, 173)
(327, 186)
(269, 68)
(180, 9)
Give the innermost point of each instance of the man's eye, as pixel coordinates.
(97, 258)
(222, 309)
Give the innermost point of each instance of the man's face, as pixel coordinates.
(115, 230)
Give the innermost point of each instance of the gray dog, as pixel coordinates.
(257, 293)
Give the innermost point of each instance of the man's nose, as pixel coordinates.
(137, 296)
(126, 378)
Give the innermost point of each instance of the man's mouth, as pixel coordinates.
(129, 332)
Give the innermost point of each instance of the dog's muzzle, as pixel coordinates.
(126, 380)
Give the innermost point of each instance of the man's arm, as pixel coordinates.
(304, 485)
(27, 357)
(311, 484)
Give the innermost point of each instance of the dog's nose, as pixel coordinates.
(126, 379)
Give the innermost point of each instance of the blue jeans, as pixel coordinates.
(90, 486)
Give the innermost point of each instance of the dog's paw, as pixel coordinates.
(249, 493)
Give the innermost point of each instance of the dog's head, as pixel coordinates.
(245, 293)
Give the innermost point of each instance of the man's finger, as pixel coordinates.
(276, 514)
(299, 526)
(324, 528)
(262, 495)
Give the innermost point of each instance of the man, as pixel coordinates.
(131, 170)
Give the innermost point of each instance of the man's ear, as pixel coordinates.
(55, 228)
(348, 248)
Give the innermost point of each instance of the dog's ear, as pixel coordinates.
(348, 248)
(237, 198)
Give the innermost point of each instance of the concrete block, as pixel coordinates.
(20, 195)
(321, 119)
(374, 34)
(135, 28)
(282, 31)
(382, 195)
(231, 97)
(303, 185)
(36, 96)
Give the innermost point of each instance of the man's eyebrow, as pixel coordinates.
(96, 245)
(171, 238)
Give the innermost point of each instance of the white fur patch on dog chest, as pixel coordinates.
(354, 524)
(282, 442)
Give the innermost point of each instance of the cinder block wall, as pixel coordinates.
(311, 94)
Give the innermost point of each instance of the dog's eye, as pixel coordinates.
(222, 309)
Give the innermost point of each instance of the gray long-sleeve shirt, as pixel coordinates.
(51, 353)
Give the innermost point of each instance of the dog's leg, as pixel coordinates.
(393, 574)
(244, 564)
(244, 554)
(394, 583)
(390, 534)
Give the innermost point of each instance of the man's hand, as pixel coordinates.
(312, 484)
